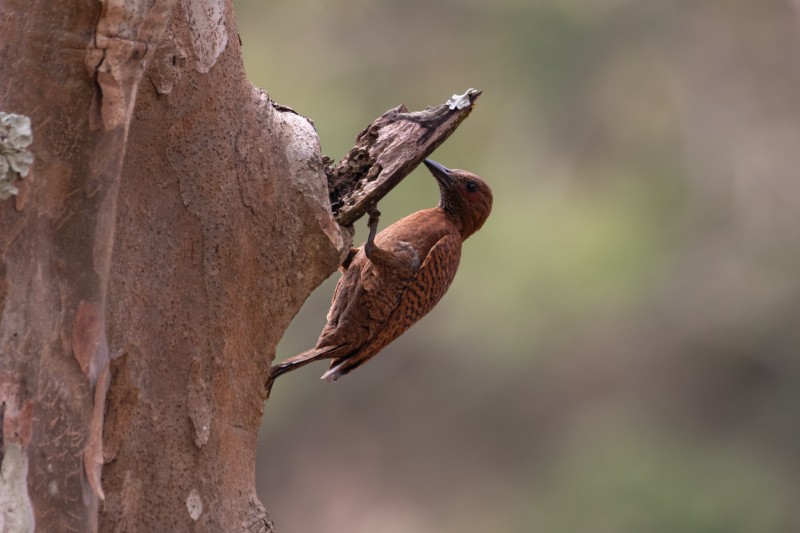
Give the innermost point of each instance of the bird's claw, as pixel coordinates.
(374, 216)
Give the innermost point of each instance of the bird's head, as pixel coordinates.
(464, 196)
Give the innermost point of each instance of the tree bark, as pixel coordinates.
(173, 222)
(223, 230)
(73, 70)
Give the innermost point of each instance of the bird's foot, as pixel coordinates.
(349, 259)
(374, 217)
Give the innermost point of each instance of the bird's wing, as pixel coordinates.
(366, 295)
(420, 295)
(431, 282)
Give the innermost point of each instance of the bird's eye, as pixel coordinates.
(472, 186)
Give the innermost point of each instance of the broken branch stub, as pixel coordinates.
(388, 150)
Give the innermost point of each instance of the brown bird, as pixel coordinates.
(398, 276)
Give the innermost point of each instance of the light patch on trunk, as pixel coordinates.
(207, 22)
(194, 504)
(16, 510)
(15, 158)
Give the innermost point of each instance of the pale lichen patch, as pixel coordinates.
(15, 158)
(209, 29)
(16, 509)
(194, 504)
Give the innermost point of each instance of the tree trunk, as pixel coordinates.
(222, 229)
(172, 223)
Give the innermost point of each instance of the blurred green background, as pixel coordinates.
(619, 352)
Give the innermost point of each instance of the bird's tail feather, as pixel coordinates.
(333, 374)
(299, 360)
(340, 367)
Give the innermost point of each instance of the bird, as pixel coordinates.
(398, 276)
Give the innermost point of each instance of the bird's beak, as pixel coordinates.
(440, 172)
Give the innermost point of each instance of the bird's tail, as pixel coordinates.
(342, 366)
(299, 360)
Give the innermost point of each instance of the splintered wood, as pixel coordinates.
(388, 150)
